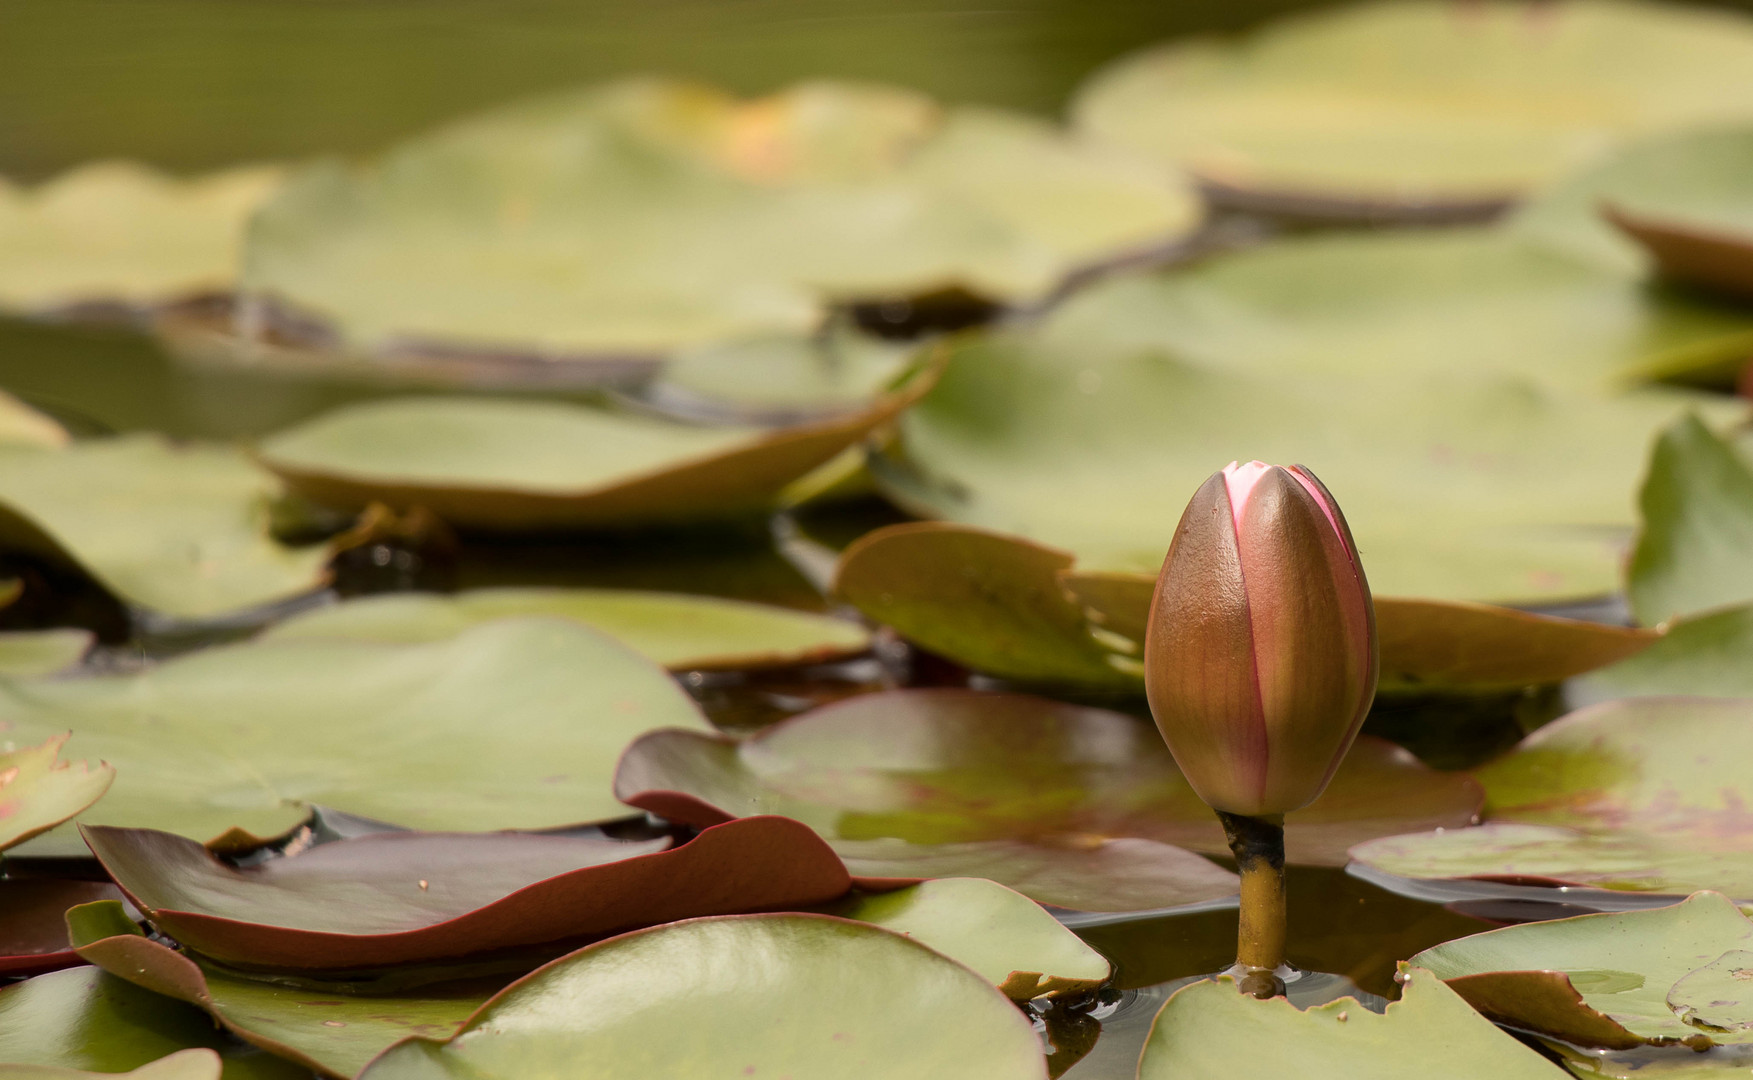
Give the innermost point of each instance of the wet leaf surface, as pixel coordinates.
(513, 724)
(1401, 106)
(645, 215)
(1612, 980)
(33, 922)
(181, 530)
(1211, 1029)
(401, 898)
(508, 466)
(122, 233)
(933, 774)
(1697, 506)
(38, 791)
(759, 995)
(1001, 934)
(1005, 606)
(318, 1027)
(86, 1018)
(1460, 481)
(681, 632)
(1643, 794)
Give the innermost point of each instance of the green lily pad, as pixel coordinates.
(401, 898)
(120, 232)
(681, 632)
(42, 652)
(86, 1018)
(1697, 504)
(1643, 794)
(192, 1064)
(778, 379)
(181, 530)
(958, 775)
(1665, 975)
(21, 425)
(1409, 105)
(512, 724)
(643, 216)
(316, 1026)
(998, 932)
(523, 465)
(753, 995)
(39, 792)
(1211, 1029)
(1709, 655)
(1005, 606)
(1685, 186)
(1466, 485)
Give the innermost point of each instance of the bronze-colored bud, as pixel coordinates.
(1260, 658)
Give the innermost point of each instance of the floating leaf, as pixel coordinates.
(33, 921)
(1422, 105)
(524, 465)
(1211, 1029)
(753, 995)
(119, 232)
(1001, 934)
(1682, 196)
(42, 652)
(678, 631)
(1611, 980)
(85, 1018)
(1005, 606)
(1697, 504)
(39, 792)
(512, 724)
(193, 1064)
(643, 215)
(21, 425)
(315, 1026)
(1709, 655)
(179, 529)
(1012, 776)
(1458, 483)
(400, 898)
(1643, 795)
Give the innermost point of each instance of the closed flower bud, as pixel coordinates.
(1260, 659)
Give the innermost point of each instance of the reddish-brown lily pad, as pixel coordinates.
(1007, 606)
(938, 769)
(1645, 795)
(319, 1027)
(33, 922)
(399, 898)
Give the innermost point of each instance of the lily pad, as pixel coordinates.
(1008, 607)
(1666, 199)
(1665, 975)
(38, 791)
(681, 632)
(1001, 934)
(318, 1027)
(86, 1018)
(1709, 655)
(192, 1064)
(122, 233)
(42, 652)
(400, 898)
(923, 771)
(1458, 483)
(1643, 794)
(1210, 1029)
(644, 216)
(522, 465)
(33, 921)
(181, 530)
(754, 995)
(21, 425)
(512, 724)
(1409, 105)
(1697, 504)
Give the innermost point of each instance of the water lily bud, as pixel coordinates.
(1260, 658)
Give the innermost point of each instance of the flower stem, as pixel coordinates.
(1258, 845)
